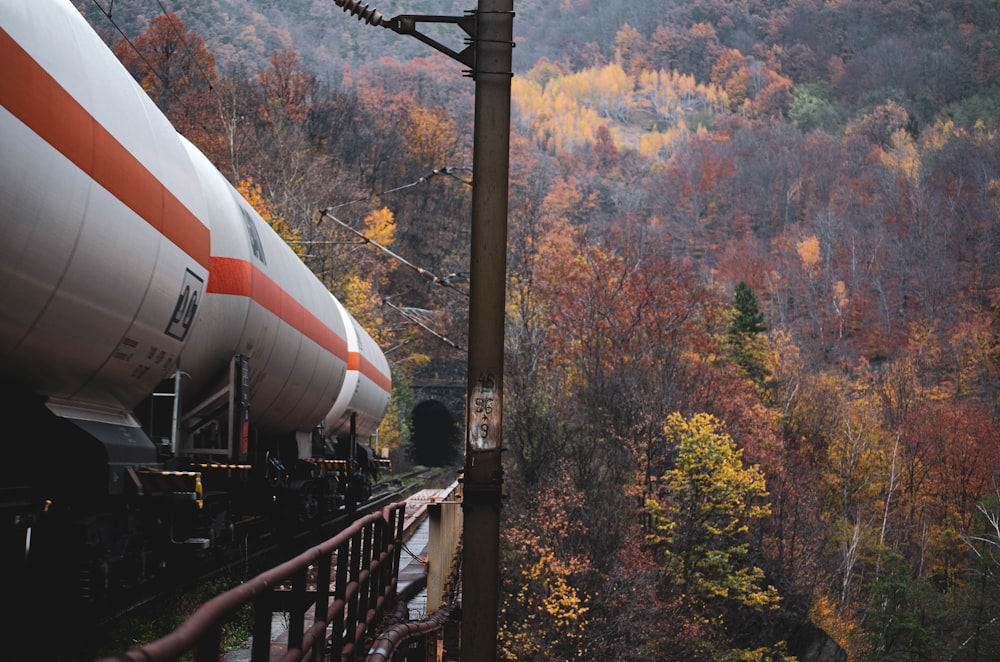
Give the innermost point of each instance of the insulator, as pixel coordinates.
(363, 12)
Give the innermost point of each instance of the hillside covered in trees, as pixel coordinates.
(753, 326)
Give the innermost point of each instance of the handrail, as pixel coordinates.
(443, 577)
(366, 556)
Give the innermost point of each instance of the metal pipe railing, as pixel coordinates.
(366, 555)
(442, 581)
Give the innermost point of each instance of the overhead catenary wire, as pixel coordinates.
(410, 317)
(446, 281)
(446, 170)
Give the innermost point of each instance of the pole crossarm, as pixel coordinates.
(406, 24)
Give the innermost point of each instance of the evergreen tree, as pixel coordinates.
(902, 615)
(746, 346)
(748, 319)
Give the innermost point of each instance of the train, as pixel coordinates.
(173, 375)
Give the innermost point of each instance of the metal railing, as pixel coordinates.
(355, 575)
(442, 582)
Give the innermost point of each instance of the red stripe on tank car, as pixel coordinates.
(230, 276)
(37, 100)
(381, 380)
(236, 277)
(355, 361)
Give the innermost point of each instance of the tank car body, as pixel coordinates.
(160, 344)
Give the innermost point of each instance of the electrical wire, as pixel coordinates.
(446, 281)
(423, 273)
(446, 170)
(406, 314)
(422, 560)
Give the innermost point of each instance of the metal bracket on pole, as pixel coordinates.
(407, 24)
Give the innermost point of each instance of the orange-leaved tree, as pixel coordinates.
(176, 69)
(545, 612)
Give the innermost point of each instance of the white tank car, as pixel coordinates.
(105, 227)
(366, 389)
(126, 256)
(167, 362)
(263, 303)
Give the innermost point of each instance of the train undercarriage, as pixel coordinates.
(95, 513)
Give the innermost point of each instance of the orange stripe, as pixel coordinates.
(236, 277)
(230, 276)
(357, 362)
(37, 100)
(381, 380)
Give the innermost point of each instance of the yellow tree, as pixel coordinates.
(631, 50)
(702, 512)
(358, 267)
(431, 137)
(545, 613)
(357, 276)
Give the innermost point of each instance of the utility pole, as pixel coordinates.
(483, 484)
(489, 57)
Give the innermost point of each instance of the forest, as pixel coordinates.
(753, 303)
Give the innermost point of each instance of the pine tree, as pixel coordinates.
(746, 346)
(748, 319)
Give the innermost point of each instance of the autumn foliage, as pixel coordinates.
(753, 311)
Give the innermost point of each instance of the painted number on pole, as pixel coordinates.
(484, 421)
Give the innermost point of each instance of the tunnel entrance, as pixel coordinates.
(435, 435)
